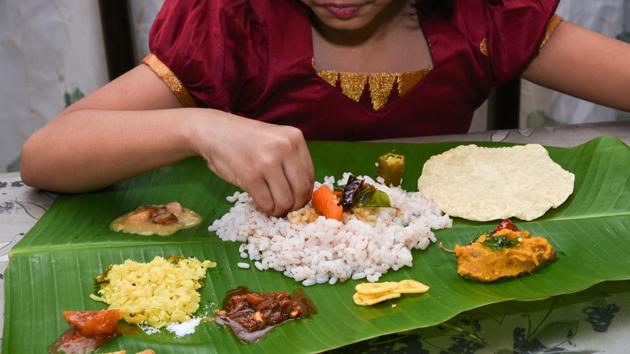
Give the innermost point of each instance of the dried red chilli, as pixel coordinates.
(350, 190)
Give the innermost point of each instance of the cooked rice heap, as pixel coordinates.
(315, 250)
(157, 293)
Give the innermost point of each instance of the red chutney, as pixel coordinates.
(91, 329)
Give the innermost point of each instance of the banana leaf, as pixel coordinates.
(52, 268)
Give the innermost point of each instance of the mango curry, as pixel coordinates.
(505, 252)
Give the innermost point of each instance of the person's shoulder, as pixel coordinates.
(494, 11)
(230, 12)
(227, 10)
(508, 32)
(195, 21)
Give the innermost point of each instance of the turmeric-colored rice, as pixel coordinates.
(157, 293)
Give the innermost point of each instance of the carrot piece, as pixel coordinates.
(326, 203)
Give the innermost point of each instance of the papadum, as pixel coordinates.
(484, 184)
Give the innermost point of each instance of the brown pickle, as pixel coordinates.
(251, 315)
(391, 167)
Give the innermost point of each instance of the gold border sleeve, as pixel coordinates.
(552, 25)
(169, 78)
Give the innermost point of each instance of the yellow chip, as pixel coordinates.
(411, 287)
(372, 293)
(375, 288)
(368, 300)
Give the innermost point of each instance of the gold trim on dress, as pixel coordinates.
(407, 81)
(169, 78)
(380, 88)
(379, 85)
(552, 26)
(483, 46)
(330, 77)
(353, 85)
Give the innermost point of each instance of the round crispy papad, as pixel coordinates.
(484, 184)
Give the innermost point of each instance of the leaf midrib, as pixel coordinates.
(97, 245)
(208, 239)
(30, 249)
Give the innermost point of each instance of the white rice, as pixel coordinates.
(242, 265)
(329, 251)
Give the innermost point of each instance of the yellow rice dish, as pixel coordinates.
(157, 293)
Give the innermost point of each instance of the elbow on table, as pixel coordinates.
(52, 168)
(38, 167)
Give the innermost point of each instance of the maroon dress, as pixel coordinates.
(254, 58)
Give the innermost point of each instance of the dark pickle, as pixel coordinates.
(391, 167)
(251, 315)
(350, 191)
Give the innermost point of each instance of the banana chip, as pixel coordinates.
(368, 300)
(375, 288)
(368, 294)
(411, 287)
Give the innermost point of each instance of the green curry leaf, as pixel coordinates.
(501, 242)
(370, 197)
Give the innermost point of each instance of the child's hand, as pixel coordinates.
(270, 162)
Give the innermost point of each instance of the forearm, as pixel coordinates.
(88, 149)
